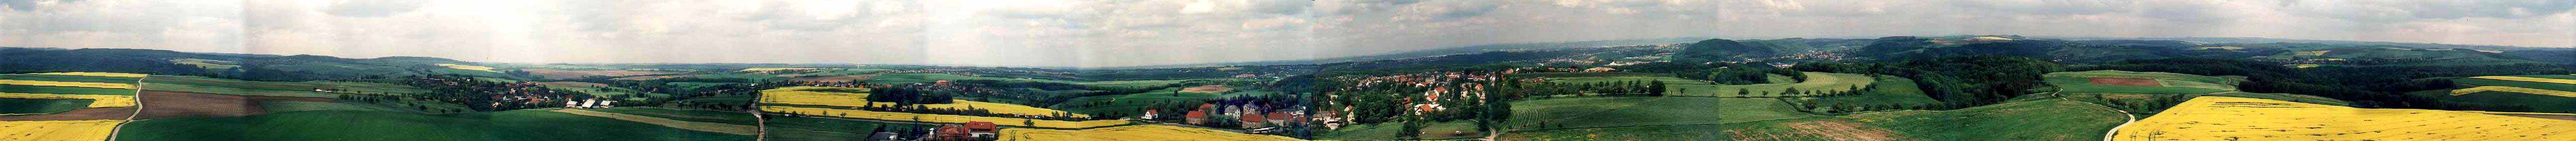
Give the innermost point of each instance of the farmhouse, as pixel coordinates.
(981, 129)
(1252, 121)
(1196, 117)
(952, 133)
(1149, 114)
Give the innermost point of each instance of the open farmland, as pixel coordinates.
(96, 101)
(9, 106)
(1458, 129)
(2513, 90)
(1816, 81)
(2113, 81)
(571, 74)
(736, 129)
(1133, 133)
(1133, 104)
(2230, 118)
(100, 74)
(467, 67)
(935, 118)
(73, 130)
(126, 85)
(533, 124)
(847, 97)
(2040, 119)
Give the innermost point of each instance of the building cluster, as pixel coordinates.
(1441, 91)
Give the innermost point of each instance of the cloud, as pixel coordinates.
(372, 8)
(1109, 33)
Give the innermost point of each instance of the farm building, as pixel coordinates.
(952, 133)
(981, 129)
(1196, 117)
(1149, 114)
(1249, 121)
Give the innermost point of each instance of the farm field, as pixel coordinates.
(1464, 129)
(736, 129)
(2531, 93)
(534, 124)
(2040, 119)
(1133, 133)
(281, 89)
(1597, 112)
(1888, 91)
(125, 85)
(1794, 129)
(824, 129)
(1132, 104)
(934, 118)
(72, 130)
(742, 118)
(466, 67)
(2222, 118)
(40, 106)
(96, 101)
(2113, 81)
(854, 97)
(1816, 81)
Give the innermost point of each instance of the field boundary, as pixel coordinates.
(138, 108)
(665, 122)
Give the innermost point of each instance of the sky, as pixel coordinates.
(1117, 33)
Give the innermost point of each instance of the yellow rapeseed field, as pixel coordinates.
(665, 122)
(68, 84)
(2527, 79)
(105, 74)
(1134, 133)
(2232, 118)
(467, 67)
(73, 130)
(2513, 89)
(933, 118)
(798, 96)
(96, 101)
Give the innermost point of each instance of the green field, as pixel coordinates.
(67, 78)
(63, 90)
(825, 129)
(742, 118)
(527, 125)
(1460, 129)
(1889, 90)
(294, 106)
(1816, 81)
(2172, 83)
(2474, 82)
(280, 89)
(41, 106)
(2044, 119)
(2536, 103)
(1131, 104)
(901, 78)
(1596, 112)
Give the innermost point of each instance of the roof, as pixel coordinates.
(979, 125)
(1279, 115)
(1197, 114)
(953, 129)
(1251, 117)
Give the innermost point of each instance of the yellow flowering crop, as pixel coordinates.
(2232, 118)
(75, 130)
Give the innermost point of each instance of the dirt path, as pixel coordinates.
(689, 125)
(2115, 130)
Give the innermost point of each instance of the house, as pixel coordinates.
(1280, 118)
(1249, 121)
(952, 133)
(1149, 114)
(1197, 117)
(981, 129)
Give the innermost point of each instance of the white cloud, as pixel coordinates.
(1099, 33)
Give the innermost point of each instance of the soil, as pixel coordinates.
(1207, 89)
(2126, 82)
(172, 104)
